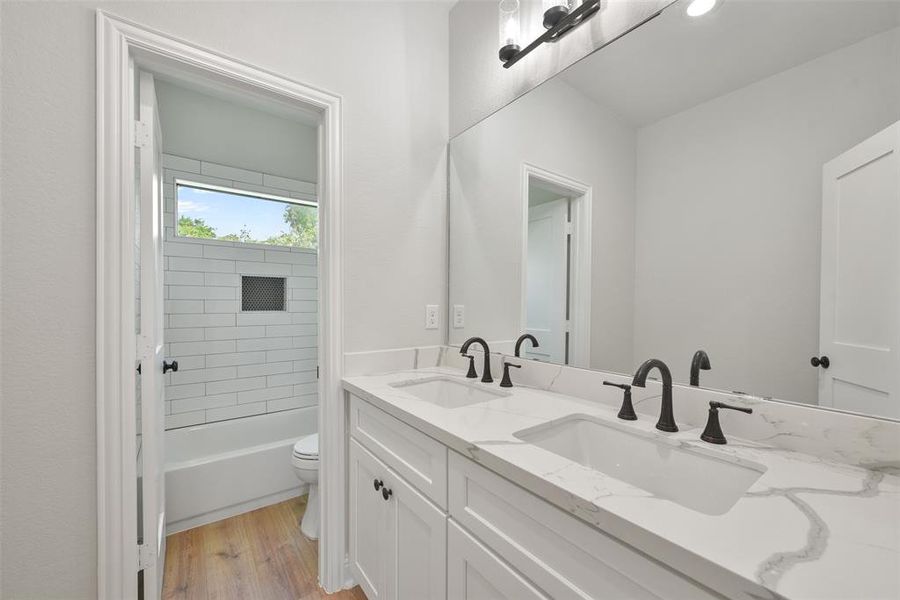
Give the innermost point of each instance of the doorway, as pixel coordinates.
(556, 259)
(130, 413)
(858, 362)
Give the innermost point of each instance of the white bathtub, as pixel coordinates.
(219, 470)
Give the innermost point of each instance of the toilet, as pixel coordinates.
(305, 461)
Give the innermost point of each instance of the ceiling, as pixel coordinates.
(675, 62)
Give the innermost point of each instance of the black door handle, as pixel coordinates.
(378, 483)
(172, 366)
(386, 493)
(820, 361)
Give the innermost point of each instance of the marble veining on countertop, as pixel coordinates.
(807, 528)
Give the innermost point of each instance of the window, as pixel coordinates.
(219, 213)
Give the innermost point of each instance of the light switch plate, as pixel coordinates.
(431, 316)
(459, 316)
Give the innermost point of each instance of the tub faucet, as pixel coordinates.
(700, 361)
(486, 374)
(522, 338)
(666, 420)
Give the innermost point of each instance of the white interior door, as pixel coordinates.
(546, 279)
(859, 330)
(150, 342)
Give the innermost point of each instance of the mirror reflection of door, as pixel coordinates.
(547, 276)
(859, 362)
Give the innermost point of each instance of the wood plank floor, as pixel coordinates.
(258, 555)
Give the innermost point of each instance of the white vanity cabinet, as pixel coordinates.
(427, 523)
(398, 539)
(398, 497)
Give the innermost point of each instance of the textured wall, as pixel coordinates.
(221, 131)
(387, 60)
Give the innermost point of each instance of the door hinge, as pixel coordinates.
(569, 229)
(146, 556)
(568, 326)
(144, 348)
(141, 134)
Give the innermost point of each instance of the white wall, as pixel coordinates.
(479, 85)
(729, 218)
(233, 363)
(389, 63)
(486, 212)
(198, 124)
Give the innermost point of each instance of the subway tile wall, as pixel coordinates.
(234, 364)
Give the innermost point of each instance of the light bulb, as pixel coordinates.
(698, 8)
(509, 29)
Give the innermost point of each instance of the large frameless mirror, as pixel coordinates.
(721, 192)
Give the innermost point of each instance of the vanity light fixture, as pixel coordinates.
(698, 8)
(560, 17)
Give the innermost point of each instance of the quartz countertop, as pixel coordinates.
(807, 528)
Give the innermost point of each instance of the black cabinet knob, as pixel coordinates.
(170, 366)
(386, 493)
(378, 483)
(820, 361)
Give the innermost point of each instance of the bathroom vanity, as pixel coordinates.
(713, 198)
(460, 489)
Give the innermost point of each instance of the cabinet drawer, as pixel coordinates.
(562, 555)
(476, 573)
(419, 459)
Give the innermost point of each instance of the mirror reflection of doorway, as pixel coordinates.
(554, 279)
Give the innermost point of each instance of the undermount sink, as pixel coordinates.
(446, 392)
(702, 480)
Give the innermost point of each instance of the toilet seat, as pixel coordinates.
(307, 448)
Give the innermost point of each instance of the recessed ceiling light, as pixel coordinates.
(698, 8)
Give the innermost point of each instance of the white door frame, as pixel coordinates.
(580, 290)
(119, 42)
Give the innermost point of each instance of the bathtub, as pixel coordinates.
(219, 470)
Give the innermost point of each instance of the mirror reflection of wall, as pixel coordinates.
(724, 158)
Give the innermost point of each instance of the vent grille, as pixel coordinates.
(262, 293)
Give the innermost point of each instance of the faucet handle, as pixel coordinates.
(716, 405)
(626, 412)
(506, 381)
(713, 431)
(621, 386)
(472, 373)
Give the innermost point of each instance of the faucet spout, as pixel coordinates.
(666, 420)
(486, 374)
(700, 361)
(522, 338)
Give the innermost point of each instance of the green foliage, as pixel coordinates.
(303, 223)
(243, 236)
(196, 228)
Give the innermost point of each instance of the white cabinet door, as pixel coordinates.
(860, 320)
(416, 563)
(368, 523)
(476, 573)
(398, 538)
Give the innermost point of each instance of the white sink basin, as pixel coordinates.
(703, 480)
(446, 392)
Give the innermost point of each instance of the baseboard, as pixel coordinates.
(235, 509)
